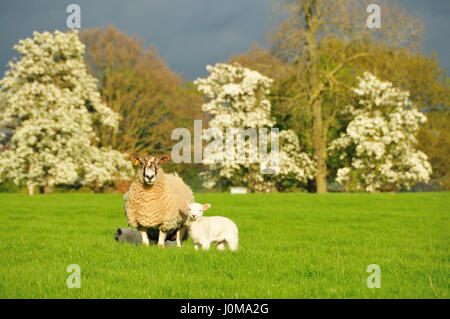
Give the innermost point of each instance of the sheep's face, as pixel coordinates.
(196, 210)
(149, 167)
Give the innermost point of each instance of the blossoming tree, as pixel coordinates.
(237, 100)
(49, 103)
(379, 146)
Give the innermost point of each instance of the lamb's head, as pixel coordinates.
(196, 210)
(149, 167)
(117, 234)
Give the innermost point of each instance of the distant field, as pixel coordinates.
(291, 246)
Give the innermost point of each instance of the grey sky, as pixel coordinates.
(188, 34)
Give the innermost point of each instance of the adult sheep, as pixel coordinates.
(157, 200)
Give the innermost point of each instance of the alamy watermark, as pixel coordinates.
(74, 279)
(74, 19)
(231, 145)
(374, 280)
(374, 19)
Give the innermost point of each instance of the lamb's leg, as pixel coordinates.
(221, 246)
(144, 237)
(161, 238)
(196, 246)
(179, 238)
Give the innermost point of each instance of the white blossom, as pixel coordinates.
(382, 135)
(50, 102)
(237, 97)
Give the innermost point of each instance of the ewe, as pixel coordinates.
(157, 200)
(213, 229)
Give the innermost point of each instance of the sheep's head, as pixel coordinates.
(117, 234)
(196, 210)
(149, 167)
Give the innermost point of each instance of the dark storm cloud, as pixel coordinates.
(436, 15)
(189, 34)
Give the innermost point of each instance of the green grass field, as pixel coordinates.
(291, 246)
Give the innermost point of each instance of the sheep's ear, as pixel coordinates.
(206, 206)
(136, 160)
(119, 231)
(163, 159)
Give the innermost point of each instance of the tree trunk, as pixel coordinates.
(48, 189)
(315, 99)
(320, 148)
(30, 189)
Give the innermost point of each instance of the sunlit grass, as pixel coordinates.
(291, 246)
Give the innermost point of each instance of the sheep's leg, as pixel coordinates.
(221, 246)
(179, 238)
(144, 237)
(205, 245)
(161, 238)
(196, 246)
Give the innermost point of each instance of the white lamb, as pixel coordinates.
(212, 229)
